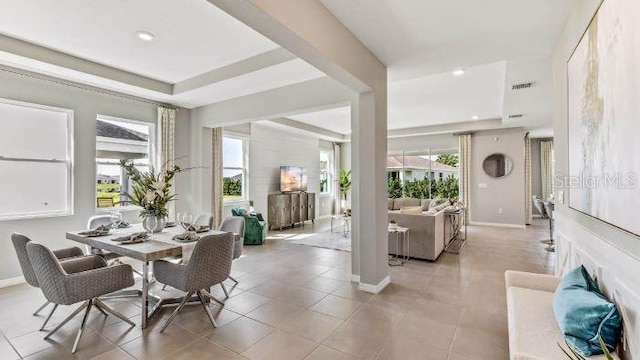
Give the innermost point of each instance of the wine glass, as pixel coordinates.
(186, 221)
(150, 224)
(116, 219)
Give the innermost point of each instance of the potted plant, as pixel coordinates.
(344, 181)
(393, 225)
(152, 192)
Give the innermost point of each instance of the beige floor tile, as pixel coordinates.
(337, 306)
(153, 344)
(280, 345)
(194, 319)
(114, 354)
(204, 349)
(399, 348)
(270, 289)
(326, 353)
(358, 339)
(427, 309)
(479, 343)
(312, 325)
(240, 334)
(275, 312)
(301, 296)
(481, 319)
(245, 302)
(324, 284)
(350, 291)
(377, 317)
(426, 332)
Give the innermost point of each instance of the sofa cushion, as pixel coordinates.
(435, 203)
(390, 204)
(404, 202)
(583, 312)
(424, 203)
(411, 210)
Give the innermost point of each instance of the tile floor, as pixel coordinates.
(296, 302)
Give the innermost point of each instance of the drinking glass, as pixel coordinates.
(186, 221)
(116, 219)
(151, 223)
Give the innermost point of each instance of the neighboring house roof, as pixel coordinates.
(106, 129)
(417, 163)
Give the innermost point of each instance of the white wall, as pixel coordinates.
(506, 193)
(611, 254)
(270, 148)
(86, 105)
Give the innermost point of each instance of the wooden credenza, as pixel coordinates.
(291, 208)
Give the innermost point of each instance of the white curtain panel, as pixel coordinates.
(166, 144)
(216, 176)
(546, 166)
(464, 149)
(337, 151)
(527, 179)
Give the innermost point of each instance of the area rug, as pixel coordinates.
(327, 240)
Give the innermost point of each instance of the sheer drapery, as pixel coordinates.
(546, 167)
(166, 130)
(216, 176)
(337, 151)
(464, 149)
(527, 179)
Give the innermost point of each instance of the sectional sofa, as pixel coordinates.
(429, 231)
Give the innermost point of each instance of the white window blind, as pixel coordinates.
(36, 152)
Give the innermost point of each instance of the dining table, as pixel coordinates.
(157, 246)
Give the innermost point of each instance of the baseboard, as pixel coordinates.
(11, 281)
(355, 278)
(512, 226)
(537, 216)
(375, 289)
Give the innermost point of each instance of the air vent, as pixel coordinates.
(522, 86)
(515, 116)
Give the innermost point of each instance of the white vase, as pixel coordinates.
(154, 223)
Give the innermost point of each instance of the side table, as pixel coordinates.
(456, 218)
(346, 224)
(400, 232)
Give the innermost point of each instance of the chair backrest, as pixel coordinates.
(210, 262)
(98, 220)
(548, 207)
(20, 244)
(104, 202)
(204, 219)
(539, 204)
(49, 273)
(235, 224)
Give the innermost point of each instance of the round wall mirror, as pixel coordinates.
(497, 165)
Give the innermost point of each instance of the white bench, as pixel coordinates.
(533, 330)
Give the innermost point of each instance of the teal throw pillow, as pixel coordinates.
(583, 313)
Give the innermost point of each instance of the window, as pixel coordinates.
(326, 173)
(234, 172)
(36, 160)
(119, 139)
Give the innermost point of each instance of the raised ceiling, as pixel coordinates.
(417, 38)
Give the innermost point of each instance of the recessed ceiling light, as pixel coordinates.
(145, 35)
(475, 117)
(458, 72)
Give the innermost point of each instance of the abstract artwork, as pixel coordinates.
(604, 117)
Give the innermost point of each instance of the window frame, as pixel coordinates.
(69, 161)
(329, 172)
(152, 152)
(244, 169)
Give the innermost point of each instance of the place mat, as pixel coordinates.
(188, 236)
(134, 238)
(101, 230)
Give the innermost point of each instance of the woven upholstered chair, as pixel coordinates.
(209, 265)
(72, 260)
(60, 287)
(204, 219)
(235, 225)
(93, 223)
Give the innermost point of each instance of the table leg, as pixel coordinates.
(145, 294)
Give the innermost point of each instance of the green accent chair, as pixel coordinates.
(255, 228)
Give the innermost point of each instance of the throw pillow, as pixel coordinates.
(583, 313)
(411, 210)
(425, 204)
